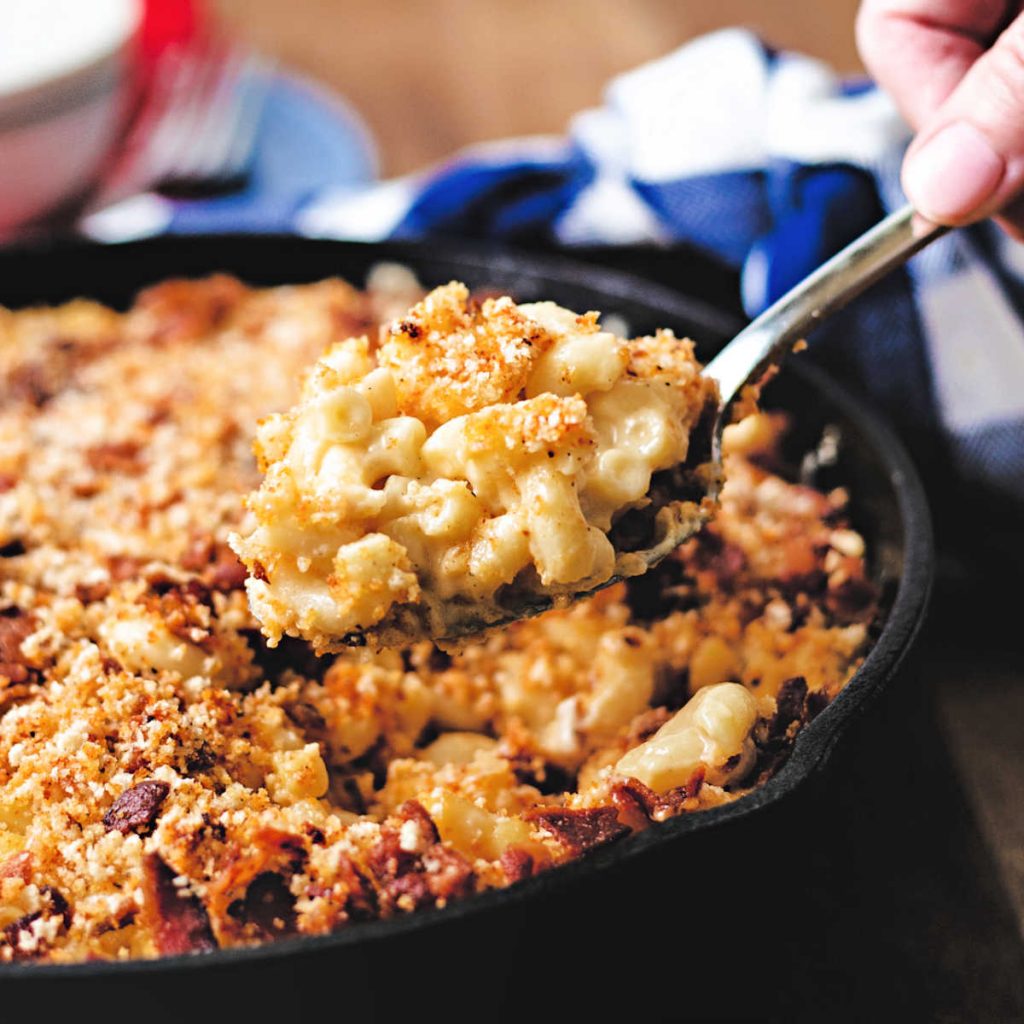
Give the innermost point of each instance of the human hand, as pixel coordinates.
(956, 70)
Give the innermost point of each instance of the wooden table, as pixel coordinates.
(430, 76)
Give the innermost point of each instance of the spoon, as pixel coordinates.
(759, 347)
(766, 340)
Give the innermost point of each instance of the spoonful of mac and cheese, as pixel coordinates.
(482, 462)
(487, 461)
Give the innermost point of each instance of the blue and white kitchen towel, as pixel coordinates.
(764, 159)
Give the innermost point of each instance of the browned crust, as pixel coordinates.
(167, 776)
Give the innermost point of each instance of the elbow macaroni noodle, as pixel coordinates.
(712, 731)
(476, 448)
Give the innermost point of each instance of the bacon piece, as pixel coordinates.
(579, 830)
(408, 892)
(434, 878)
(417, 870)
(137, 808)
(19, 937)
(217, 565)
(176, 918)
(88, 593)
(635, 804)
(638, 805)
(57, 905)
(387, 860)
(449, 875)
(673, 801)
(115, 457)
(817, 701)
(316, 835)
(517, 864)
(52, 368)
(200, 759)
(19, 865)
(15, 627)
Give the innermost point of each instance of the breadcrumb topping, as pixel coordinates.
(169, 783)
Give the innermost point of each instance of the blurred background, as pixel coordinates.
(114, 99)
(432, 77)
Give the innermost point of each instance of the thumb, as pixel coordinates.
(967, 161)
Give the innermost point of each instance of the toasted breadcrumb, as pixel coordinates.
(169, 783)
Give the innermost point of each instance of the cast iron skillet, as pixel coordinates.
(480, 948)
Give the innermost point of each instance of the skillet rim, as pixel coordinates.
(816, 740)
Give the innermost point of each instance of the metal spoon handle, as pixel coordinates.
(767, 339)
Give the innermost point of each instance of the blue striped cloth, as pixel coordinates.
(764, 159)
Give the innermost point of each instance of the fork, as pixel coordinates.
(197, 128)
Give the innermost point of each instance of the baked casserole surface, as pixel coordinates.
(170, 782)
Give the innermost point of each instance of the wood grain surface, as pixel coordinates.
(432, 75)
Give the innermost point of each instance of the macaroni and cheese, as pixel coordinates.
(171, 783)
(478, 457)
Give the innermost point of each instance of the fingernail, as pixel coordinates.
(953, 174)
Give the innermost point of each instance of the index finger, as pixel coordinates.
(918, 50)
